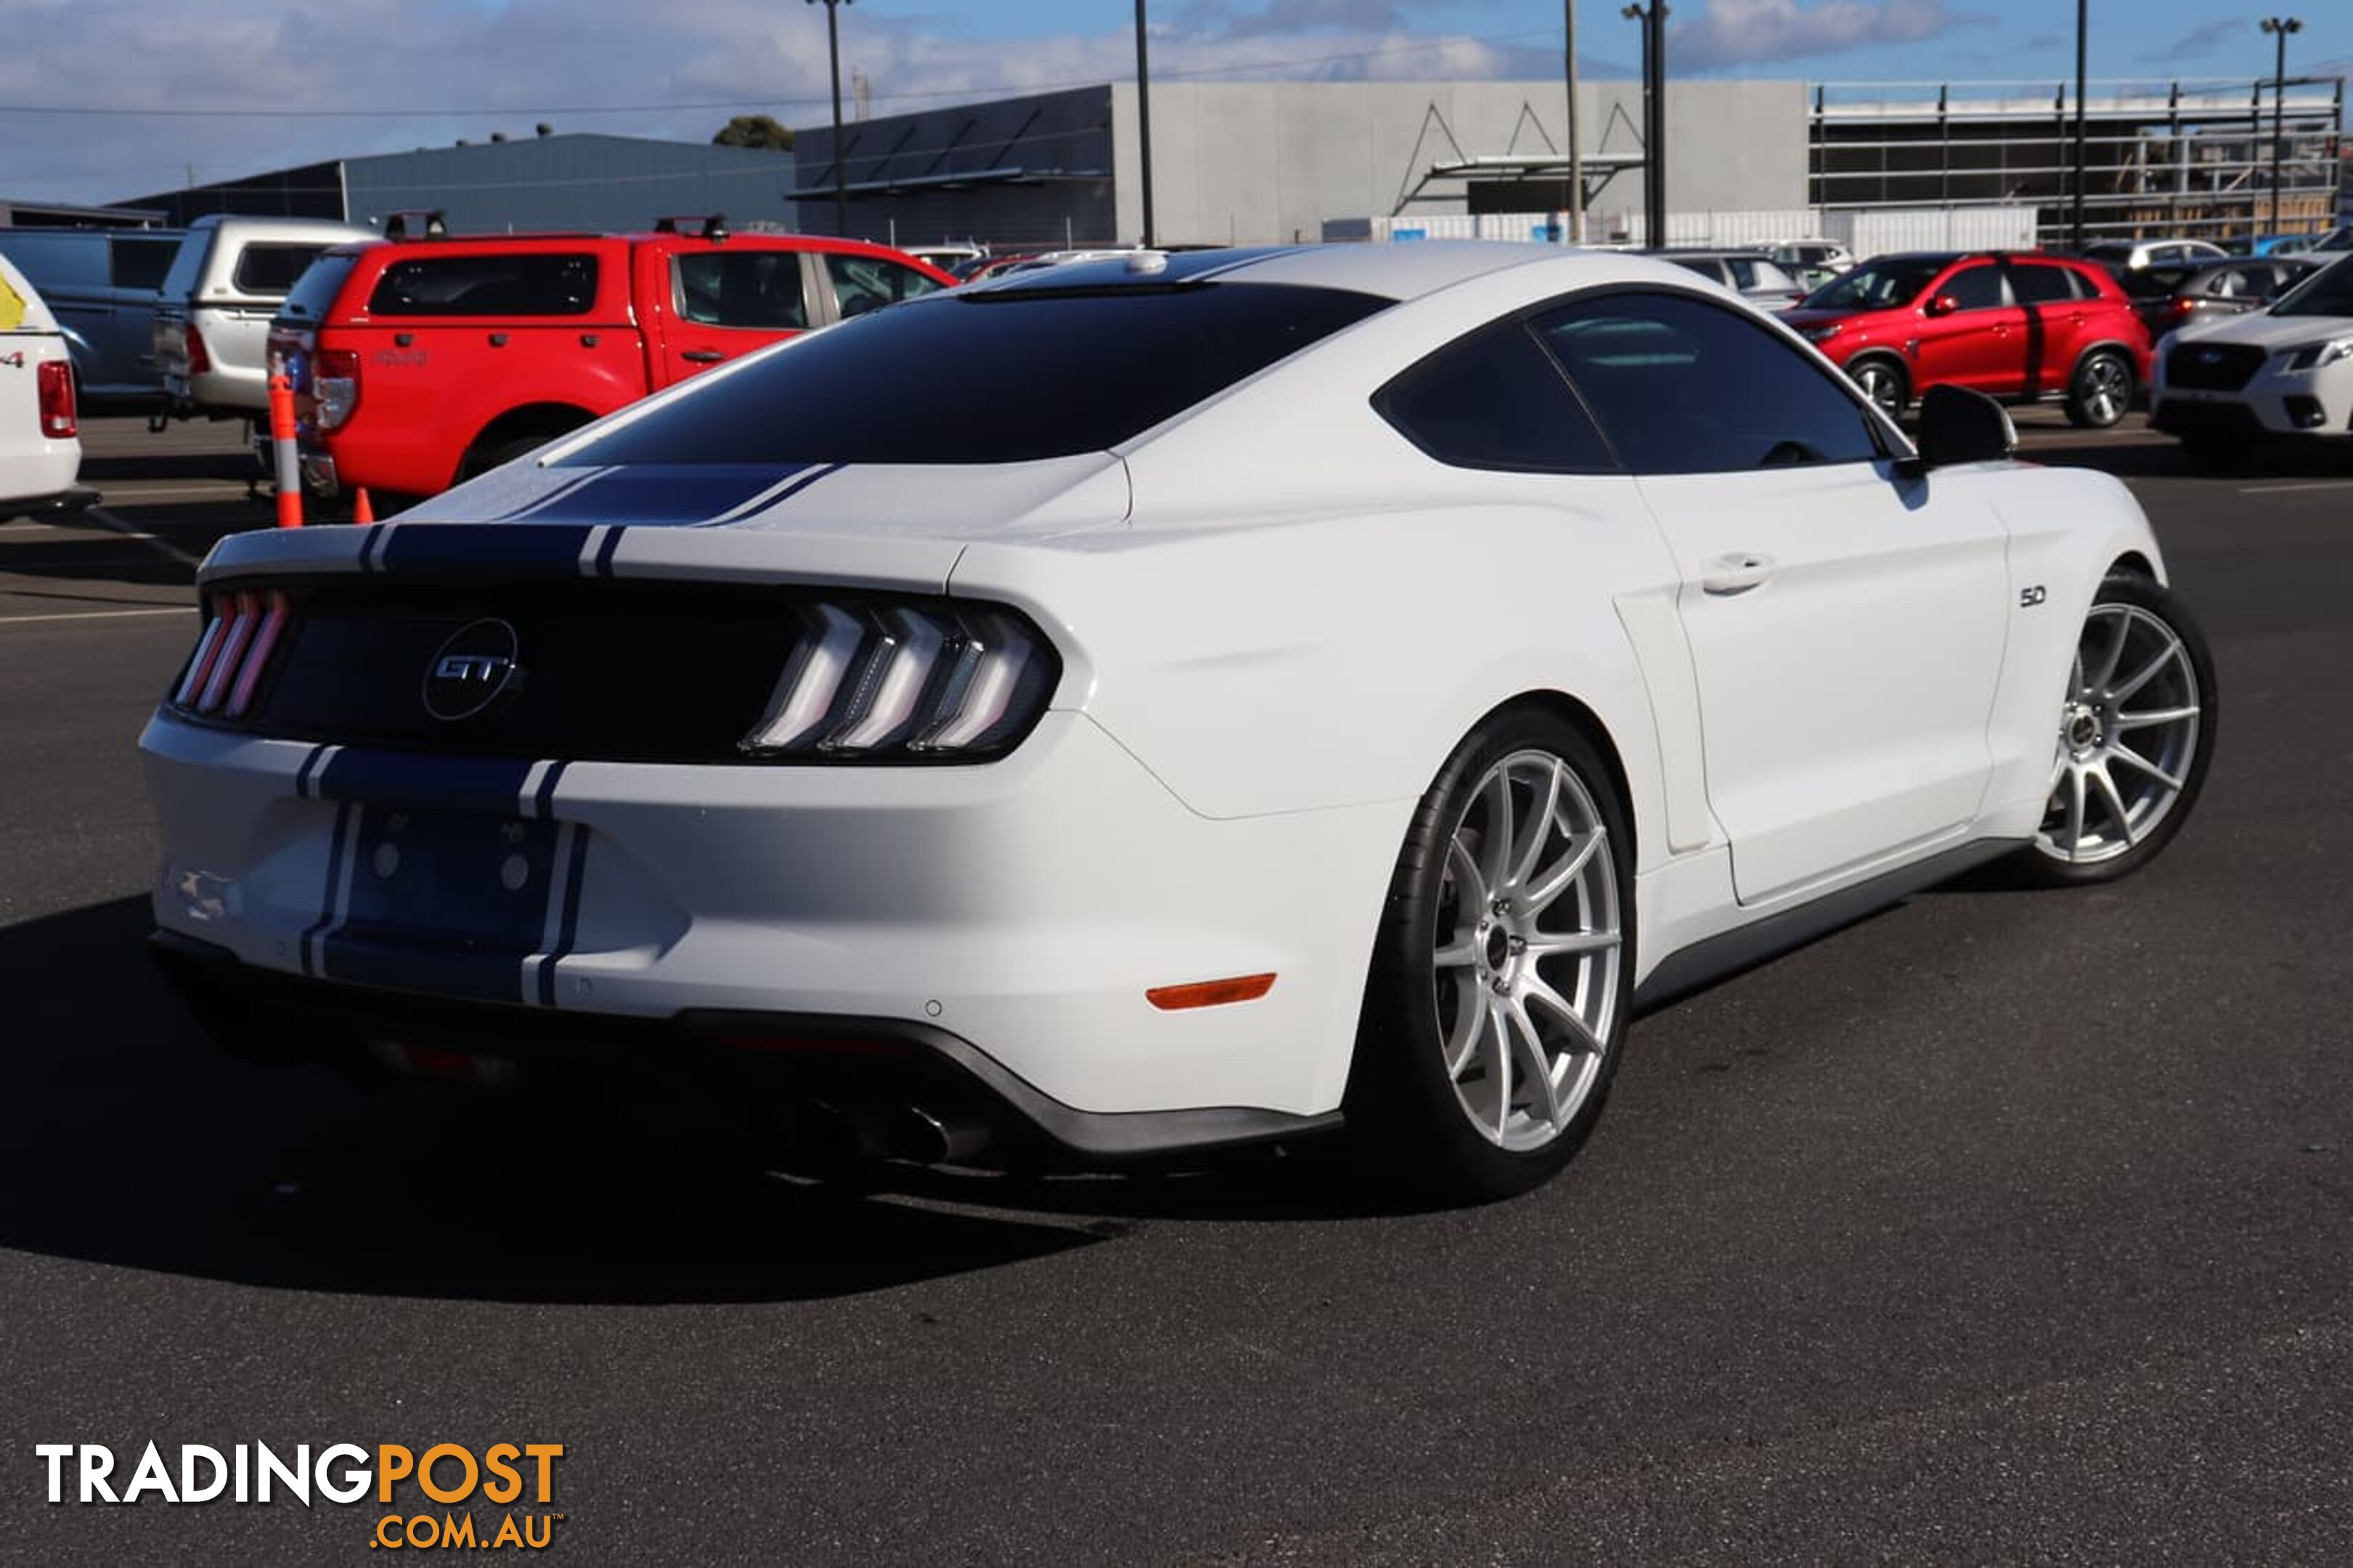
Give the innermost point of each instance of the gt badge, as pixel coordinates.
(473, 669)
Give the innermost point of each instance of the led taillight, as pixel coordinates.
(233, 653)
(200, 361)
(920, 682)
(59, 420)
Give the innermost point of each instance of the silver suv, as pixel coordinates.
(212, 329)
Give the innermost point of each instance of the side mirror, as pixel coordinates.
(1957, 425)
(1943, 305)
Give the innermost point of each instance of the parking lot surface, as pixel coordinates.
(2002, 1226)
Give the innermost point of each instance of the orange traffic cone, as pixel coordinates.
(361, 510)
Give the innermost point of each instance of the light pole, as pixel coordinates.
(1576, 235)
(2083, 18)
(840, 165)
(2279, 27)
(1144, 120)
(1654, 18)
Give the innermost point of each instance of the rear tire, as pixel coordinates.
(1503, 973)
(2101, 390)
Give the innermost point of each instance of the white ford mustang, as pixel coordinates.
(1288, 685)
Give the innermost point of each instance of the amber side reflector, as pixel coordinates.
(1210, 993)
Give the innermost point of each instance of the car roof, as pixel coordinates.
(1392, 271)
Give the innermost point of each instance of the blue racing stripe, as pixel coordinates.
(473, 547)
(776, 497)
(660, 495)
(327, 898)
(605, 550)
(487, 785)
(568, 936)
(444, 972)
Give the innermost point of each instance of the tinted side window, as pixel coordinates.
(742, 288)
(530, 284)
(271, 269)
(1495, 400)
(863, 283)
(2036, 285)
(140, 262)
(1976, 289)
(1682, 386)
(1707, 267)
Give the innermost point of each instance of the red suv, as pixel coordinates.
(2013, 325)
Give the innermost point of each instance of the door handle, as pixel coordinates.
(702, 356)
(1728, 574)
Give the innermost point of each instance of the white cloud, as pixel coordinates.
(430, 71)
(1745, 32)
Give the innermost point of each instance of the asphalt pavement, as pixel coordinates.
(2002, 1226)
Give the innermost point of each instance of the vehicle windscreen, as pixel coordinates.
(1031, 374)
(1878, 285)
(2327, 292)
(314, 292)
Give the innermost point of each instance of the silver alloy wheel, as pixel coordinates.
(2127, 732)
(1528, 947)
(2106, 391)
(1882, 385)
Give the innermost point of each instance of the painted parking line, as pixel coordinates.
(98, 615)
(2284, 490)
(123, 494)
(107, 520)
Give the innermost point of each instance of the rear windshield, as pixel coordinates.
(526, 283)
(271, 271)
(314, 292)
(2328, 292)
(1879, 285)
(987, 377)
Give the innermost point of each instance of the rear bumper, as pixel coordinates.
(883, 1079)
(1028, 905)
(67, 502)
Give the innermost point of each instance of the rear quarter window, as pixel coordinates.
(271, 271)
(527, 283)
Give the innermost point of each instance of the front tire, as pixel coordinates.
(2100, 391)
(1884, 381)
(2136, 733)
(1503, 973)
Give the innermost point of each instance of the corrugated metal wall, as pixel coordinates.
(612, 183)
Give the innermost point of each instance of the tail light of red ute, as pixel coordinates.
(334, 386)
(241, 632)
(59, 420)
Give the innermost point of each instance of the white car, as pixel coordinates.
(40, 441)
(1812, 254)
(2222, 385)
(1315, 684)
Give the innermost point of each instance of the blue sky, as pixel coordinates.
(279, 82)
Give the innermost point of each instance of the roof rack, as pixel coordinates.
(712, 227)
(431, 223)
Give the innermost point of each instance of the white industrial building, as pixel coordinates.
(1265, 162)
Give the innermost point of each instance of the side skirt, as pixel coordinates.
(1703, 963)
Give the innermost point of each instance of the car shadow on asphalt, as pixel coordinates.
(131, 1143)
(2165, 460)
